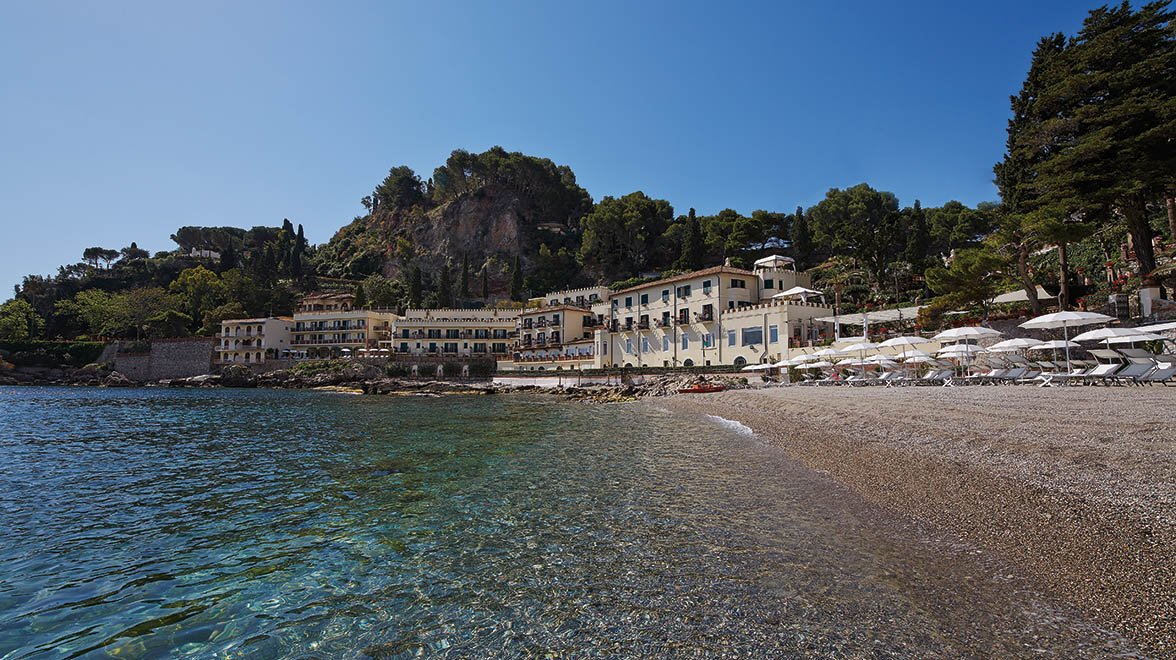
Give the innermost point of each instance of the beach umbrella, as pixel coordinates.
(800, 291)
(967, 332)
(1015, 344)
(1131, 339)
(917, 359)
(828, 353)
(1102, 334)
(1158, 327)
(955, 350)
(1065, 321)
(1054, 345)
(860, 348)
(806, 357)
(756, 367)
(818, 365)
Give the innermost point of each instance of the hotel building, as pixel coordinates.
(253, 341)
(468, 333)
(326, 325)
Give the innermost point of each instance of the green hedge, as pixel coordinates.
(52, 353)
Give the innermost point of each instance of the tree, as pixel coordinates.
(465, 276)
(693, 246)
(228, 258)
(862, 223)
(415, 287)
(169, 323)
(360, 300)
(401, 189)
(444, 288)
(1105, 121)
(802, 240)
(19, 321)
(838, 273)
(1018, 225)
(516, 281)
(485, 281)
(622, 235)
(92, 255)
(133, 253)
(918, 242)
(214, 317)
(199, 290)
(972, 278)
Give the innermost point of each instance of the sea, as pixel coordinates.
(159, 523)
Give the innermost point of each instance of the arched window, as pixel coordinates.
(688, 363)
(740, 361)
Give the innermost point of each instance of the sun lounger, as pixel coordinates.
(1136, 369)
(1163, 373)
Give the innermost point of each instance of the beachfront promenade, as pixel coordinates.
(1075, 486)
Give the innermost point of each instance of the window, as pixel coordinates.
(665, 319)
(479, 347)
(708, 341)
(616, 302)
(738, 284)
(730, 337)
(498, 348)
(450, 347)
(645, 299)
(684, 291)
(500, 334)
(753, 336)
(628, 301)
(769, 284)
(685, 341)
(706, 287)
(404, 332)
(451, 334)
(665, 343)
(481, 334)
(403, 347)
(665, 295)
(645, 344)
(773, 334)
(628, 345)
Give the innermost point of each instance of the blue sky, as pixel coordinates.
(122, 121)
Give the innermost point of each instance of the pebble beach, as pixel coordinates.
(1075, 486)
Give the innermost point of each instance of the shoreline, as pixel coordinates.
(1076, 487)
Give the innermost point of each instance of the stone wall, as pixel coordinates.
(168, 358)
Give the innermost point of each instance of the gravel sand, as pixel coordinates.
(1075, 485)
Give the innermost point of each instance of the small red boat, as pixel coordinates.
(702, 388)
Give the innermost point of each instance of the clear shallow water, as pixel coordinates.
(275, 524)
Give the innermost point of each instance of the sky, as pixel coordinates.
(122, 121)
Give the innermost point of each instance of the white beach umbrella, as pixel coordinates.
(805, 357)
(756, 367)
(1054, 344)
(1065, 321)
(904, 342)
(1102, 334)
(800, 291)
(1158, 327)
(1131, 339)
(967, 332)
(828, 353)
(818, 365)
(1014, 344)
(955, 350)
(860, 347)
(921, 359)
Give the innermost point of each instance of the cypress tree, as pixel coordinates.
(692, 245)
(918, 238)
(444, 289)
(465, 276)
(360, 300)
(516, 281)
(414, 287)
(802, 240)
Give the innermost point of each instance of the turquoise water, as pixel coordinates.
(279, 524)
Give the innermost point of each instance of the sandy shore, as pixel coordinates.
(1075, 485)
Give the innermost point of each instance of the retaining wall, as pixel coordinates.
(168, 358)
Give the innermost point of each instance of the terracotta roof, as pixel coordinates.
(714, 270)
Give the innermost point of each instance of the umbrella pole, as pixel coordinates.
(1066, 335)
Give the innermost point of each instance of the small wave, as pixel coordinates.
(741, 429)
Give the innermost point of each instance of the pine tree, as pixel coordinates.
(802, 240)
(228, 258)
(693, 245)
(360, 300)
(444, 288)
(465, 276)
(516, 281)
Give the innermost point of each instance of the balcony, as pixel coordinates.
(705, 317)
(643, 325)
